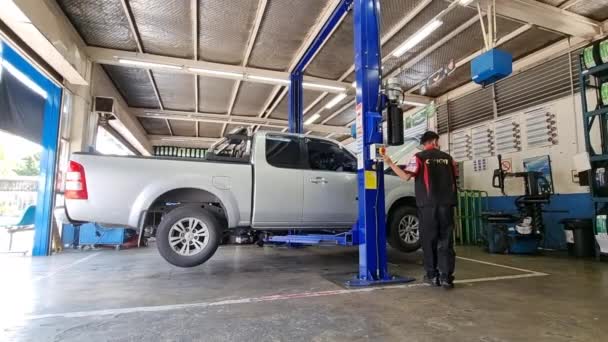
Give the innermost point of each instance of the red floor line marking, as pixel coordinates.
(271, 298)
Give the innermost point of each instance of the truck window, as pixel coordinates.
(283, 151)
(327, 156)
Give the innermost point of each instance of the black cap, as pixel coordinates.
(428, 136)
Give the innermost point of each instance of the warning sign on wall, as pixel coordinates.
(507, 165)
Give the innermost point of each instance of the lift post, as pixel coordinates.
(371, 227)
(296, 94)
(296, 100)
(370, 230)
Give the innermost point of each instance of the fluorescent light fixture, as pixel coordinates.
(312, 119)
(268, 79)
(21, 77)
(149, 64)
(335, 101)
(465, 2)
(414, 103)
(417, 37)
(215, 72)
(322, 86)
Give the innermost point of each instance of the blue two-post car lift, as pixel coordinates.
(369, 233)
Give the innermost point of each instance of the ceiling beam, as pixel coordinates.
(383, 40)
(140, 48)
(250, 43)
(569, 4)
(181, 65)
(43, 27)
(350, 104)
(134, 133)
(310, 38)
(233, 119)
(167, 140)
(411, 62)
(550, 17)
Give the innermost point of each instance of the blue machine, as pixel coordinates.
(369, 233)
(491, 66)
(92, 234)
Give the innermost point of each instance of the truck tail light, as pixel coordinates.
(75, 182)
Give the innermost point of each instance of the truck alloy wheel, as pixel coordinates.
(188, 236)
(409, 229)
(403, 228)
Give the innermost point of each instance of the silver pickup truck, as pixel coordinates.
(267, 183)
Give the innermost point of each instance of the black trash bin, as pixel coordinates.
(580, 237)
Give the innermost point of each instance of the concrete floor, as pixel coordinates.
(246, 293)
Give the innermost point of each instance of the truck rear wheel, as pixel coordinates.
(404, 229)
(188, 236)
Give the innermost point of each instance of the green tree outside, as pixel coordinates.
(28, 166)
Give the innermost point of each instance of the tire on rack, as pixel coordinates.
(404, 229)
(188, 236)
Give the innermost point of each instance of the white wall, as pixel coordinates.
(569, 121)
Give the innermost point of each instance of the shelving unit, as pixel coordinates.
(592, 79)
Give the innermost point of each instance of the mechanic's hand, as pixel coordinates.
(387, 159)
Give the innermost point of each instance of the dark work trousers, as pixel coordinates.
(436, 233)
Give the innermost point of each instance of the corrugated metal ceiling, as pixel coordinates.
(210, 129)
(393, 11)
(214, 94)
(337, 54)
(283, 31)
(165, 28)
(224, 29)
(134, 85)
(451, 21)
(155, 126)
(281, 111)
(183, 128)
(251, 98)
(176, 90)
(100, 23)
(594, 9)
(463, 45)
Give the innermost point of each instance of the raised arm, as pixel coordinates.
(406, 176)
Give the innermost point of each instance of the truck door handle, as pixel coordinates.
(318, 180)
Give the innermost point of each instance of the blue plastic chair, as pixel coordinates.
(25, 223)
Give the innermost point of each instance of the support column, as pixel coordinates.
(296, 100)
(371, 226)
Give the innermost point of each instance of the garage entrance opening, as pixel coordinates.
(29, 108)
(19, 173)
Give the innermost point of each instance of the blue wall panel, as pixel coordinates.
(576, 205)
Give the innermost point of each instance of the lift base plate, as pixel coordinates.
(393, 280)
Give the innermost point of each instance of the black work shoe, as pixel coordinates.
(447, 282)
(433, 281)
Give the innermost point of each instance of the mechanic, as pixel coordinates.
(435, 175)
